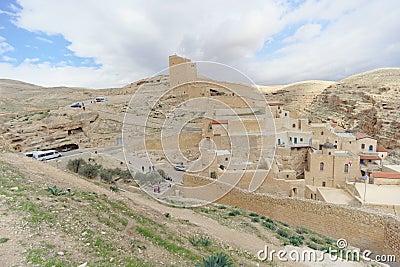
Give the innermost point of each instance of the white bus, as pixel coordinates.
(46, 155)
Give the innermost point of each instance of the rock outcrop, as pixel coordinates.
(368, 102)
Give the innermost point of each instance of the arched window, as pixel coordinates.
(322, 133)
(321, 166)
(294, 125)
(346, 168)
(362, 146)
(371, 148)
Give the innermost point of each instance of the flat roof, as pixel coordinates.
(379, 194)
(386, 175)
(219, 122)
(370, 157)
(362, 135)
(335, 195)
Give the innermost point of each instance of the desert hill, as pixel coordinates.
(33, 116)
(53, 217)
(368, 102)
(296, 96)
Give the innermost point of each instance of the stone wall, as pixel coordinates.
(366, 229)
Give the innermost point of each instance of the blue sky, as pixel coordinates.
(36, 47)
(103, 44)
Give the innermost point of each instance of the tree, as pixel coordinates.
(89, 171)
(75, 164)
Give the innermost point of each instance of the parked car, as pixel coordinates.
(29, 154)
(180, 168)
(100, 99)
(76, 105)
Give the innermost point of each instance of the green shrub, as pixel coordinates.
(106, 175)
(284, 224)
(269, 220)
(125, 175)
(167, 215)
(263, 217)
(114, 188)
(216, 260)
(222, 207)
(296, 240)
(55, 191)
(282, 233)
(75, 164)
(269, 225)
(255, 219)
(213, 175)
(201, 241)
(89, 170)
(329, 240)
(302, 231)
(312, 245)
(252, 214)
(316, 240)
(234, 213)
(3, 240)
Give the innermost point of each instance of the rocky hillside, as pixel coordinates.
(368, 102)
(52, 217)
(297, 96)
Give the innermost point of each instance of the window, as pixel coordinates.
(285, 114)
(322, 133)
(301, 139)
(321, 166)
(346, 168)
(294, 125)
(362, 146)
(279, 141)
(323, 184)
(371, 148)
(226, 159)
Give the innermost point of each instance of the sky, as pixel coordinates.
(103, 44)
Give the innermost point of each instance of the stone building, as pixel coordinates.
(331, 167)
(181, 70)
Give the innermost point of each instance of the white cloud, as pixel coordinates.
(132, 39)
(8, 59)
(31, 60)
(4, 46)
(44, 39)
(305, 33)
(52, 75)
